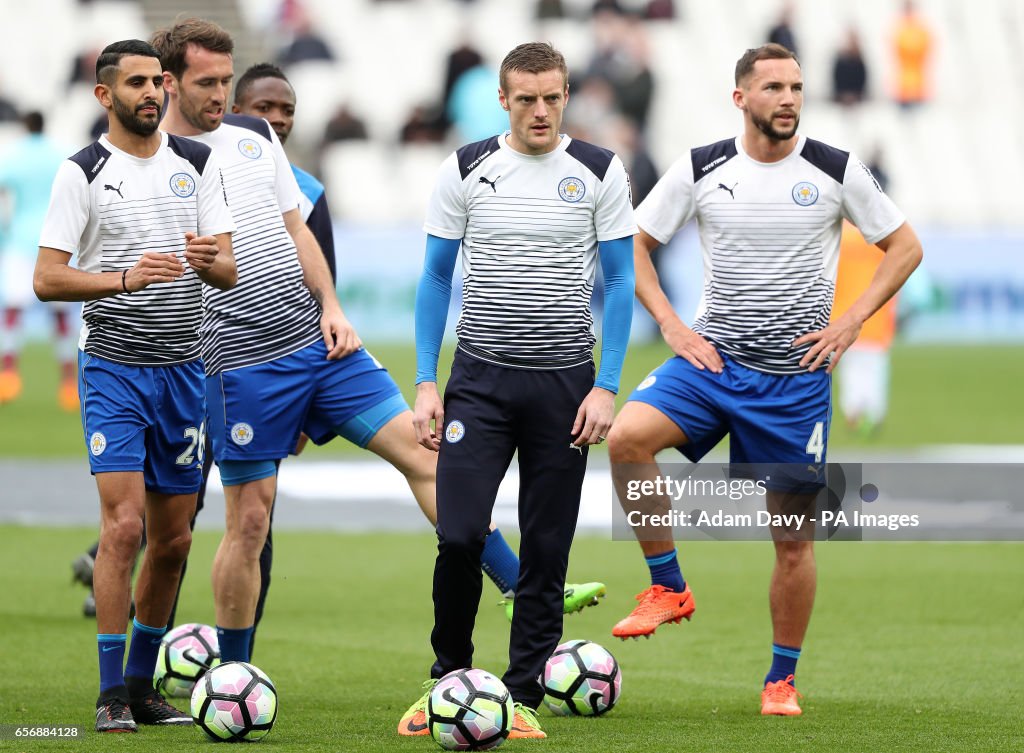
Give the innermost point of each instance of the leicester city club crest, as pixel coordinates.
(805, 193)
(241, 434)
(97, 443)
(183, 185)
(455, 432)
(250, 149)
(572, 190)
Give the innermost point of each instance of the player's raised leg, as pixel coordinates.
(639, 433)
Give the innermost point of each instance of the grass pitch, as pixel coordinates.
(913, 647)
(941, 394)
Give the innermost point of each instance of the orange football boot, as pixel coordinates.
(526, 725)
(657, 606)
(414, 721)
(780, 698)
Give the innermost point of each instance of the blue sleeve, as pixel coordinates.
(319, 223)
(433, 294)
(619, 282)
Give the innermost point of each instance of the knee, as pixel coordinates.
(171, 550)
(627, 443)
(250, 528)
(122, 536)
(462, 540)
(791, 555)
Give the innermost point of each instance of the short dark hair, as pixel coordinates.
(33, 121)
(256, 73)
(770, 51)
(532, 57)
(172, 43)
(110, 59)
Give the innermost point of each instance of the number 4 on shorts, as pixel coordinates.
(816, 443)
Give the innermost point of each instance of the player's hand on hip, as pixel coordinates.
(200, 251)
(339, 334)
(594, 418)
(687, 344)
(428, 416)
(152, 268)
(833, 341)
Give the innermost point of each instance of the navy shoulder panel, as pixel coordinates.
(259, 125)
(190, 150)
(471, 155)
(594, 158)
(828, 159)
(706, 159)
(91, 160)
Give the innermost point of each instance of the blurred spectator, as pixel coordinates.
(27, 169)
(660, 10)
(549, 9)
(912, 45)
(83, 69)
(592, 111)
(621, 58)
(8, 112)
(425, 125)
(876, 164)
(782, 32)
(306, 45)
(463, 58)
(473, 105)
(344, 125)
(607, 6)
(849, 72)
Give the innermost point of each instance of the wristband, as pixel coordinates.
(124, 284)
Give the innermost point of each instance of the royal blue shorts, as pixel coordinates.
(774, 419)
(257, 412)
(144, 418)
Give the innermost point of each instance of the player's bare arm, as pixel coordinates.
(594, 418)
(212, 259)
(902, 255)
(681, 339)
(428, 415)
(55, 280)
(339, 334)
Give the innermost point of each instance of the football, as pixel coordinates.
(469, 709)
(186, 653)
(581, 679)
(235, 701)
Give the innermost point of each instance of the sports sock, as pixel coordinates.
(111, 651)
(665, 571)
(138, 674)
(784, 660)
(500, 563)
(234, 643)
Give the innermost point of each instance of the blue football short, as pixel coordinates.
(778, 420)
(257, 412)
(144, 418)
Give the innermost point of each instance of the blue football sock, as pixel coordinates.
(499, 562)
(111, 650)
(142, 653)
(665, 571)
(784, 660)
(234, 643)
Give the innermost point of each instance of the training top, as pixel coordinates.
(110, 207)
(270, 313)
(529, 227)
(770, 235)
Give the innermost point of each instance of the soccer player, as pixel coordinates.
(756, 365)
(145, 213)
(534, 212)
(27, 169)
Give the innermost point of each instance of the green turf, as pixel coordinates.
(940, 395)
(913, 647)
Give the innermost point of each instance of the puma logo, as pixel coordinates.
(108, 187)
(492, 183)
(726, 188)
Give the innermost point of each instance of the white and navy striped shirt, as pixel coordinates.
(529, 227)
(270, 312)
(770, 234)
(110, 207)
